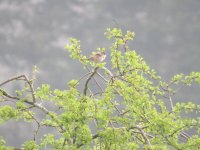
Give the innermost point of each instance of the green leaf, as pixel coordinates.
(7, 113)
(73, 83)
(30, 145)
(43, 92)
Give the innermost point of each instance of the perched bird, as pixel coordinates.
(97, 57)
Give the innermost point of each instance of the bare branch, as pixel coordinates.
(82, 77)
(22, 77)
(90, 77)
(145, 137)
(11, 79)
(96, 81)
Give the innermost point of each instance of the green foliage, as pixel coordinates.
(43, 92)
(2, 145)
(75, 50)
(130, 106)
(30, 145)
(7, 113)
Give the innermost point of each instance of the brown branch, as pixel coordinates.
(11, 79)
(38, 125)
(22, 77)
(145, 137)
(13, 97)
(64, 143)
(90, 77)
(82, 77)
(96, 81)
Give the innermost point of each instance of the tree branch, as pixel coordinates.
(145, 137)
(22, 77)
(90, 77)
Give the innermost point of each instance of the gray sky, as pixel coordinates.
(34, 32)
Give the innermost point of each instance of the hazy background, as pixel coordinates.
(34, 32)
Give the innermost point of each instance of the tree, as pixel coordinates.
(128, 106)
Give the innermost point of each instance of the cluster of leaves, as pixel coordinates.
(129, 108)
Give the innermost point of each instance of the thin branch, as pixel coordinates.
(64, 143)
(82, 77)
(98, 84)
(116, 108)
(30, 83)
(102, 77)
(138, 132)
(171, 103)
(145, 137)
(95, 80)
(38, 125)
(13, 97)
(185, 135)
(22, 77)
(11, 79)
(90, 77)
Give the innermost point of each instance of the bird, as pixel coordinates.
(97, 57)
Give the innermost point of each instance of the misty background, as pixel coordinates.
(34, 32)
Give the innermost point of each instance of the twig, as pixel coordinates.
(102, 77)
(90, 77)
(171, 103)
(64, 142)
(22, 77)
(145, 137)
(95, 80)
(82, 77)
(11, 79)
(30, 83)
(13, 97)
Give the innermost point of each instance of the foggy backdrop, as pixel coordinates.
(34, 32)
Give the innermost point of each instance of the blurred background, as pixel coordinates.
(34, 32)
